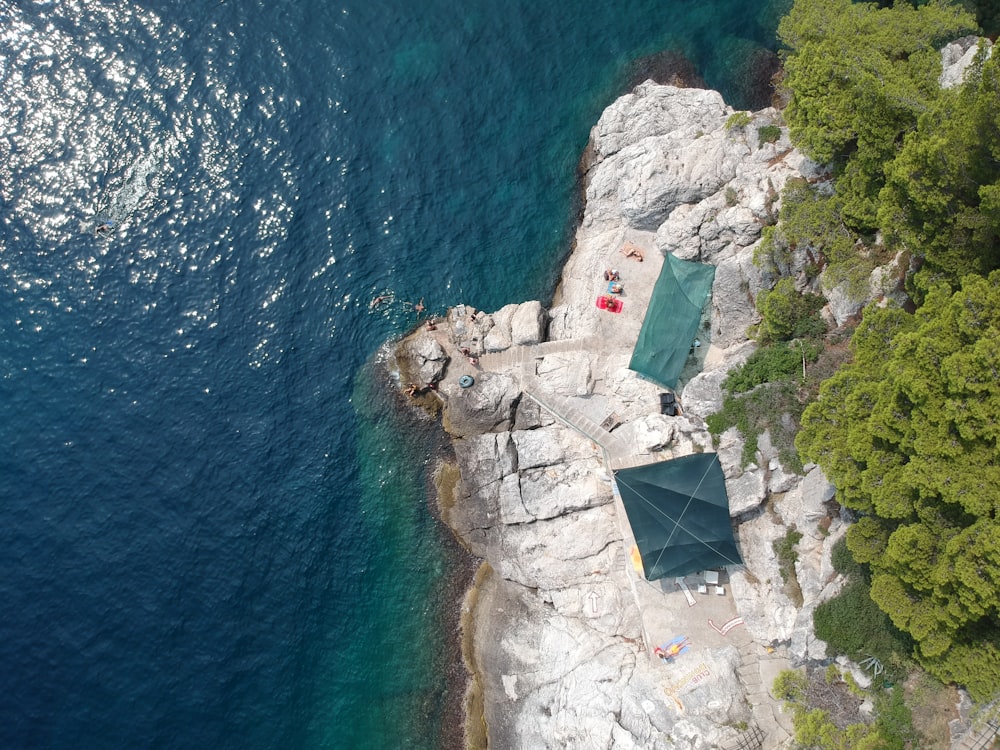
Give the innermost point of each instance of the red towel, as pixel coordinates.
(613, 305)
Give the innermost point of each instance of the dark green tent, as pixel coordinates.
(672, 319)
(679, 513)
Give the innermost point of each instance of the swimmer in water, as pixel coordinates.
(103, 227)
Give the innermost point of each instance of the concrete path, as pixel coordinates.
(520, 360)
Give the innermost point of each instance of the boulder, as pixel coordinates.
(527, 324)
(469, 327)
(842, 303)
(703, 393)
(651, 110)
(746, 491)
(650, 434)
(427, 359)
(567, 374)
(548, 447)
(488, 406)
(956, 59)
(498, 338)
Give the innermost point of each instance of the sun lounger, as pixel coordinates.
(679, 582)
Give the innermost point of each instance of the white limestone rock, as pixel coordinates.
(605, 604)
(644, 182)
(737, 283)
(562, 662)
(488, 406)
(427, 357)
(469, 327)
(553, 491)
(730, 453)
(651, 433)
(703, 393)
(746, 491)
(842, 303)
(566, 374)
(759, 590)
(561, 551)
(652, 110)
(486, 458)
(804, 506)
(956, 58)
(530, 415)
(498, 338)
(547, 447)
(528, 323)
(778, 479)
(509, 501)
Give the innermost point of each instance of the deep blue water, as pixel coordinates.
(214, 527)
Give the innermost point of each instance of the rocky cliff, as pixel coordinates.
(541, 404)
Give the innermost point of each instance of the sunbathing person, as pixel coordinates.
(630, 250)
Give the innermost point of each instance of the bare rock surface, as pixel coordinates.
(564, 627)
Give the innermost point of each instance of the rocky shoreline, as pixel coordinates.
(558, 628)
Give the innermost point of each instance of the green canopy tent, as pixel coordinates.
(679, 513)
(672, 320)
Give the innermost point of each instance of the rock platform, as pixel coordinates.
(561, 627)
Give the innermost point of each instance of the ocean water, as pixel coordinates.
(215, 529)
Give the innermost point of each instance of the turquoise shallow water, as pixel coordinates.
(215, 529)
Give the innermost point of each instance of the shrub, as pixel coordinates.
(767, 134)
(788, 314)
(771, 406)
(825, 713)
(894, 719)
(852, 624)
(790, 685)
(770, 364)
(738, 120)
(843, 563)
(784, 548)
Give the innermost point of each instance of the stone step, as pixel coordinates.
(750, 679)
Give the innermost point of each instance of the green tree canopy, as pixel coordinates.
(858, 77)
(942, 192)
(909, 433)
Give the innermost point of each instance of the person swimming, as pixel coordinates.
(103, 227)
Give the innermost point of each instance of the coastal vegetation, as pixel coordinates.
(826, 712)
(906, 427)
(852, 624)
(908, 434)
(769, 390)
